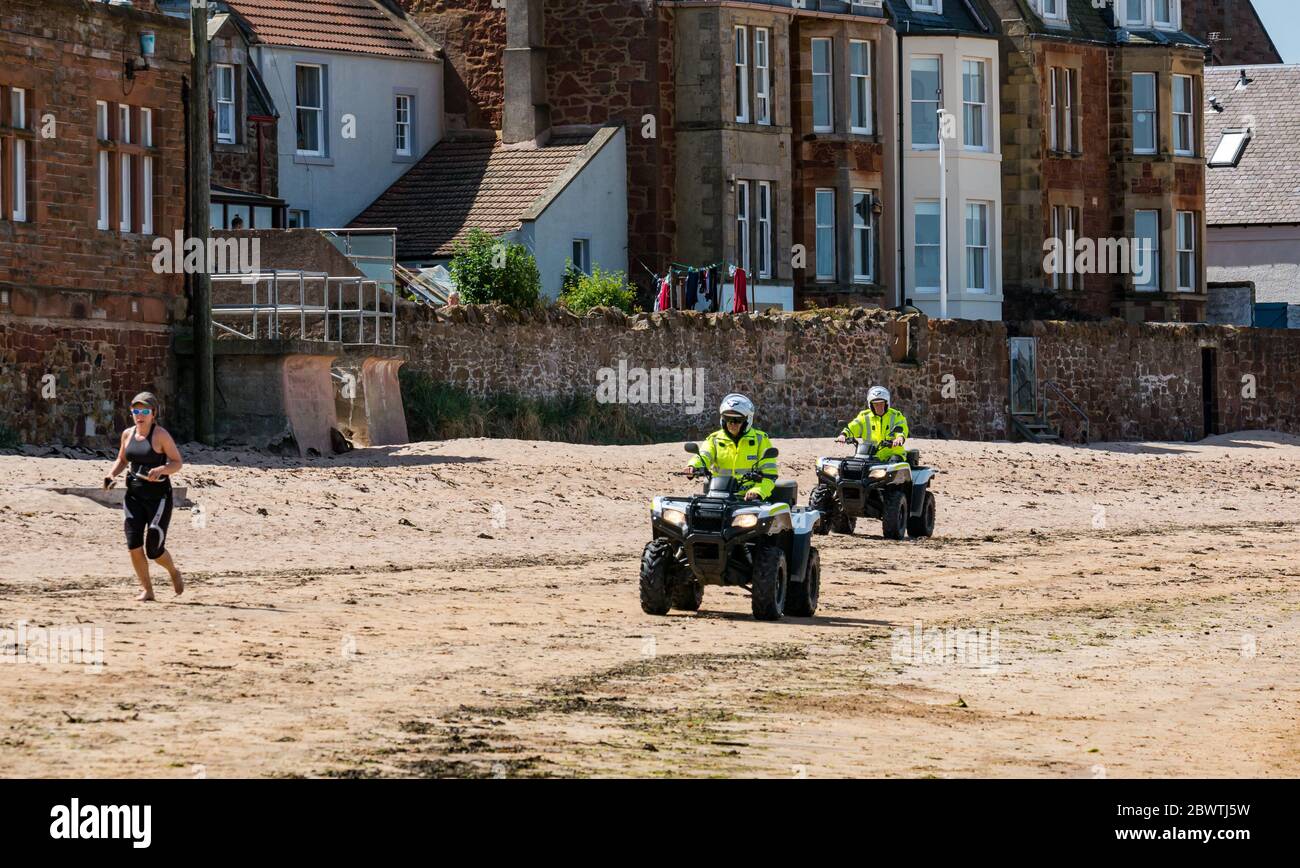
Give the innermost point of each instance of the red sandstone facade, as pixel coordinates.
(84, 320)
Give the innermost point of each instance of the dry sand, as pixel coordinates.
(470, 608)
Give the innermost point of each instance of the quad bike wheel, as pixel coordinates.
(769, 582)
(801, 599)
(833, 518)
(922, 525)
(656, 561)
(687, 594)
(894, 520)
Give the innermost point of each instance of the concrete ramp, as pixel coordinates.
(385, 415)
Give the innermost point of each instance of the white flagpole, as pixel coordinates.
(943, 223)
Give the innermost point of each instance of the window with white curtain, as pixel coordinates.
(762, 76)
(1147, 234)
(926, 235)
(742, 225)
(864, 243)
(225, 79)
(822, 88)
(764, 229)
(742, 75)
(974, 104)
(825, 234)
(860, 85)
(1184, 116)
(1188, 279)
(1144, 113)
(977, 247)
(102, 160)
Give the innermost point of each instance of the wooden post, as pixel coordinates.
(199, 219)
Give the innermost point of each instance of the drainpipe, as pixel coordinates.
(900, 206)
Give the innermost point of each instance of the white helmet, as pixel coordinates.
(737, 404)
(878, 393)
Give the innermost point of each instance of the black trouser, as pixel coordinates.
(148, 512)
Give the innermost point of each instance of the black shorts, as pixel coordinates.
(148, 512)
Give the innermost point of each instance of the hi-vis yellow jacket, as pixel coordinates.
(726, 457)
(873, 429)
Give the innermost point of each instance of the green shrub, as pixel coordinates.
(9, 438)
(598, 289)
(486, 271)
(436, 411)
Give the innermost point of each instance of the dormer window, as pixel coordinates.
(1051, 10)
(1160, 14)
(935, 6)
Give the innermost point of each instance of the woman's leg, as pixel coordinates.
(141, 565)
(165, 561)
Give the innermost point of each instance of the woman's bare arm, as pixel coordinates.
(120, 464)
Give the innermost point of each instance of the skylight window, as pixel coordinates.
(1230, 150)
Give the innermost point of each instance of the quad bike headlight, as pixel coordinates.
(878, 473)
(831, 468)
(746, 520)
(675, 516)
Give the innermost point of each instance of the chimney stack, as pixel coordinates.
(527, 115)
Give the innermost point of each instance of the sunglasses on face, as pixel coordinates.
(140, 411)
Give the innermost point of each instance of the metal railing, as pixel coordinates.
(277, 297)
(1051, 385)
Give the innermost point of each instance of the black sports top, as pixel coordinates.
(142, 457)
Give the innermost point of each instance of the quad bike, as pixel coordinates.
(719, 538)
(896, 492)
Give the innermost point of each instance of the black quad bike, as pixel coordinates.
(719, 538)
(896, 492)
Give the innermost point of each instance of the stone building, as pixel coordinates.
(1232, 29)
(92, 171)
(1102, 136)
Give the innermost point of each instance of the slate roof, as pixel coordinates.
(959, 16)
(1087, 22)
(1265, 187)
(358, 26)
(465, 184)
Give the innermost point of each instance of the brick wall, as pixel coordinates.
(78, 303)
(807, 371)
(1245, 39)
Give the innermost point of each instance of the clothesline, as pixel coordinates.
(683, 286)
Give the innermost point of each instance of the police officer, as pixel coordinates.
(738, 447)
(879, 423)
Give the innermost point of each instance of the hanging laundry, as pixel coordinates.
(715, 288)
(692, 290)
(662, 300)
(740, 303)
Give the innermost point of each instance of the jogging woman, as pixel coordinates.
(150, 457)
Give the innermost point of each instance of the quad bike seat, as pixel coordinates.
(786, 491)
(914, 457)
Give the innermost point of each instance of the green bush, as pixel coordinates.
(436, 411)
(9, 438)
(486, 270)
(582, 292)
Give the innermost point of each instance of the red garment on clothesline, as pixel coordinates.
(740, 303)
(661, 303)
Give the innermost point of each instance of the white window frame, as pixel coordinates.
(403, 128)
(763, 76)
(1055, 275)
(1175, 13)
(917, 244)
(819, 195)
(1054, 109)
(1187, 231)
(986, 208)
(741, 59)
(582, 247)
(864, 272)
(764, 221)
(935, 6)
(1067, 116)
(829, 75)
(303, 217)
(18, 173)
(743, 204)
(1155, 252)
(1055, 12)
(1185, 120)
(971, 105)
(125, 222)
(934, 106)
(318, 110)
(860, 89)
(103, 220)
(1230, 149)
(1143, 8)
(1153, 112)
(146, 173)
(224, 73)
